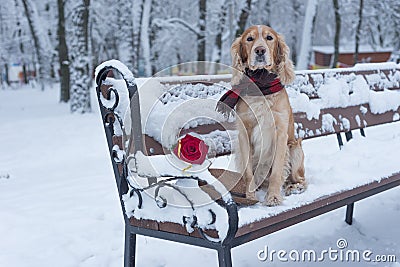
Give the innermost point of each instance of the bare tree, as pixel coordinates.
(137, 9)
(201, 38)
(145, 36)
(80, 59)
(337, 33)
(218, 38)
(268, 12)
(297, 10)
(40, 40)
(244, 15)
(21, 46)
(63, 59)
(125, 35)
(396, 24)
(358, 30)
(177, 22)
(308, 33)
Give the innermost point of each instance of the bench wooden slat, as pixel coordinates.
(306, 128)
(315, 126)
(169, 227)
(320, 206)
(172, 228)
(210, 232)
(145, 223)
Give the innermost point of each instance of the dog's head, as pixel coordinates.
(260, 47)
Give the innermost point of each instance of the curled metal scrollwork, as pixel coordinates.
(112, 119)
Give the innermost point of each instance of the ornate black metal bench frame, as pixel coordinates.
(174, 232)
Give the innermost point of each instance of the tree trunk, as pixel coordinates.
(230, 19)
(337, 33)
(244, 14)
(21, 46)
(63, 54)
(201, 38)
(268, 13)
(136, 21)
(217, 53)
(396, 24)
(218, 39)
(296, 6)
(80, 59)
(145, 36)
(307, 36)
(358, 31)
(7, 78)
(154, 58)
(124, 42)
(24, 74)
(41, 53)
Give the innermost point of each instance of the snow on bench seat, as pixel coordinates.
(329, 171)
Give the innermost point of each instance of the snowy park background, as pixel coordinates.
(64, 40)
(58, 200)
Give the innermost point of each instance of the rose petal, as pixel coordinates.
(192, 149)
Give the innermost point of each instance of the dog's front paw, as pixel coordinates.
(273, 200)
(297, 188)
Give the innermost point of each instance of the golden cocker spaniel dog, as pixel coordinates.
(267, 152)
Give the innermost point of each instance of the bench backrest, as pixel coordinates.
(374, 84)
(365, 95)
(332, 101)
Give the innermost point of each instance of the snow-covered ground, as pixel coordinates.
(59, 205)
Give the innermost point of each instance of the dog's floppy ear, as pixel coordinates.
(239, 57)
(284, 65)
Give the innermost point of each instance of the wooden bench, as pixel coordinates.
(116, 85)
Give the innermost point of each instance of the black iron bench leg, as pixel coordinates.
(362, 132)
(349, 214)
(224, 256)
(339, 139)
(130, 248)
(348, 135)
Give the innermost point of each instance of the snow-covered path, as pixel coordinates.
(59, 205)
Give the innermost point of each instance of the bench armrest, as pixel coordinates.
(155, 196)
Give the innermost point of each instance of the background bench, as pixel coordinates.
(333, 120)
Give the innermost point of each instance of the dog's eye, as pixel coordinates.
(249, 39)
(269, 38)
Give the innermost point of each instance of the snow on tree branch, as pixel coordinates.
(171, 21)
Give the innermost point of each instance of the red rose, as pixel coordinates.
(191, 149)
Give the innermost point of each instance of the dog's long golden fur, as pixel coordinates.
(266, 150)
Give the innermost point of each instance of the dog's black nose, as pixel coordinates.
(260, 50)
